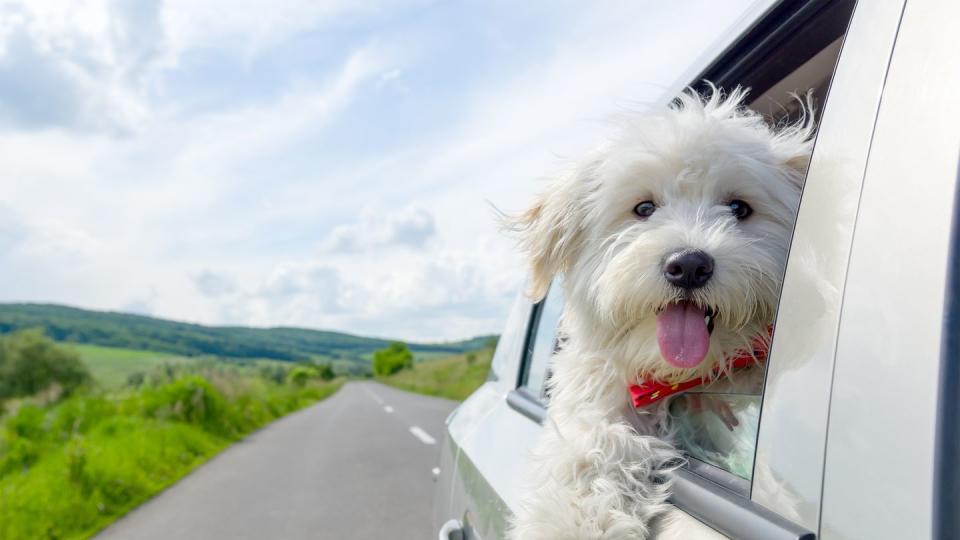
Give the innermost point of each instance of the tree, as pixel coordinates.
(299, 375)
(30, 363)
(325, 372)
(136, 379)
(392, 359)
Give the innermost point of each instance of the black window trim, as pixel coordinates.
(794, 29)
(529, 341)
(520, 398)
(946, 464)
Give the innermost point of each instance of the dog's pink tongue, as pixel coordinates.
(682, 334)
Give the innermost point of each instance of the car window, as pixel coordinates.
(542, 342)
(511, 342)
(719, 429)
(718, 424)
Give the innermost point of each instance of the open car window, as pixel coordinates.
(542, 342)
(717, 425)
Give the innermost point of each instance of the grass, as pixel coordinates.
(452, 377)
(110, 366)
(69, 468)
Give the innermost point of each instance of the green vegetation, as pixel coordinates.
(394, 358)
(304, 373)
(454, 377)
(30, 363)
(348, 354)
(113, 367)
(72, 463)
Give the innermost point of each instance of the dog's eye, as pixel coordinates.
(740, 209)
(645, 209)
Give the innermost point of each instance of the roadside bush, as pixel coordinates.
(78, 415)
(31, 363)
(325, 372)
(192, 400)
(136, 379)
(299, 375)
(392, 359)
(273, 372)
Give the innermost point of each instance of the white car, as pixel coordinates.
(857, 431)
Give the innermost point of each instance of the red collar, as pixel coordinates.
(647, 392)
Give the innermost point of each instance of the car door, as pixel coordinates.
(848, 444)
(882, 477)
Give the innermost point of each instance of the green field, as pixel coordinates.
(110, 366)
(452, 377)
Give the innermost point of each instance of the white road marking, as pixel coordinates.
(417, 432)
(422, 435)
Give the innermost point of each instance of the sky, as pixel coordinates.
(324, 164)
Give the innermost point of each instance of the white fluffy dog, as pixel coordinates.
(671, 240)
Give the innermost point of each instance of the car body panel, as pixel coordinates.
(790, 447)
(880, 451)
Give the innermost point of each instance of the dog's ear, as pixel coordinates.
(794, 142)
(799, 162)
(550, 230)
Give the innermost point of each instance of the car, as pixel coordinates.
(856, 433)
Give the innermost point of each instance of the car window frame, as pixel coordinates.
(702, 490)
(520, 398)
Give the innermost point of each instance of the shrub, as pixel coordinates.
(31, 363)
(299, 375)
(136, 379)
(325, 372)
(274, 373)
(192, 400)
(392, 359)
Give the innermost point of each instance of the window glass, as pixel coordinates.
(717, 424)
(718, 428)
(543, 342)
(510, 344)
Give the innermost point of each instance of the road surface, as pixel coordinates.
(355, 466)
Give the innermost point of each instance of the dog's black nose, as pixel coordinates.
(689, 269)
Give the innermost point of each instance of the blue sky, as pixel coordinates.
(325, 164)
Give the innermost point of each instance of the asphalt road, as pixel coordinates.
(355, 466)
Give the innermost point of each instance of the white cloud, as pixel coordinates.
(78, 64)
(253, 25)
(50, 240)
(142, 305)
(383, 228)
(218, 211)
(213, 284)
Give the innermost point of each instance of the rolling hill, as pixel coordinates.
(114, 329)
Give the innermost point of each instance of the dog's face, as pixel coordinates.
(672, 238)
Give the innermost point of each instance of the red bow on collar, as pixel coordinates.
(647, 392)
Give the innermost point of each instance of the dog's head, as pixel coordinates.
(672, 237)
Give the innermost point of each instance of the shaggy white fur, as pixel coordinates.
(600, 470)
